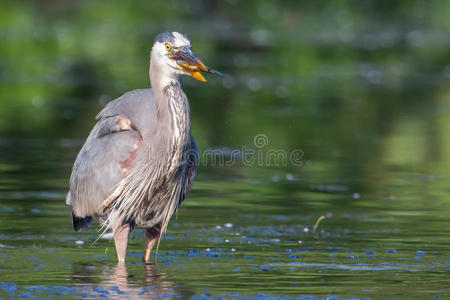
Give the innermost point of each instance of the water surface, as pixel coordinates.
(333, 109)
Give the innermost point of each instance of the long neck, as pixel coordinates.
(172, 107)
(160, 77)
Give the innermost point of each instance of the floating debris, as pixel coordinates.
(317, 223)
(228, 225)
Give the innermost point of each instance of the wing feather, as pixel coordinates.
(98, 168)
(107, 155)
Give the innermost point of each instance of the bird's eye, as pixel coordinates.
(168, 47)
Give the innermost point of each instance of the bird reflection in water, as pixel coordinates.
(154, 285)
(116, 284)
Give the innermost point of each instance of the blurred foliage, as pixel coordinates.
(359, 86)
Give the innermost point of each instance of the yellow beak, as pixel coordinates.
(190, 64)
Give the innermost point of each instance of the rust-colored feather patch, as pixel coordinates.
(127, 163)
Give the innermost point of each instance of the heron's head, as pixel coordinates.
(173, 55)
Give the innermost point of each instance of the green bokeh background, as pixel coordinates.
(361, 88)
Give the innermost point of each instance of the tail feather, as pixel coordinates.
(80, 223)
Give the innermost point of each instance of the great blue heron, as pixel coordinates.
(140, 159)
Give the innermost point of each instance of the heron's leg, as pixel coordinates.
(121, 241)
(151, 237)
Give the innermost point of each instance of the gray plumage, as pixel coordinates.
(140, 159)
(161, 165)
(168, 37)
